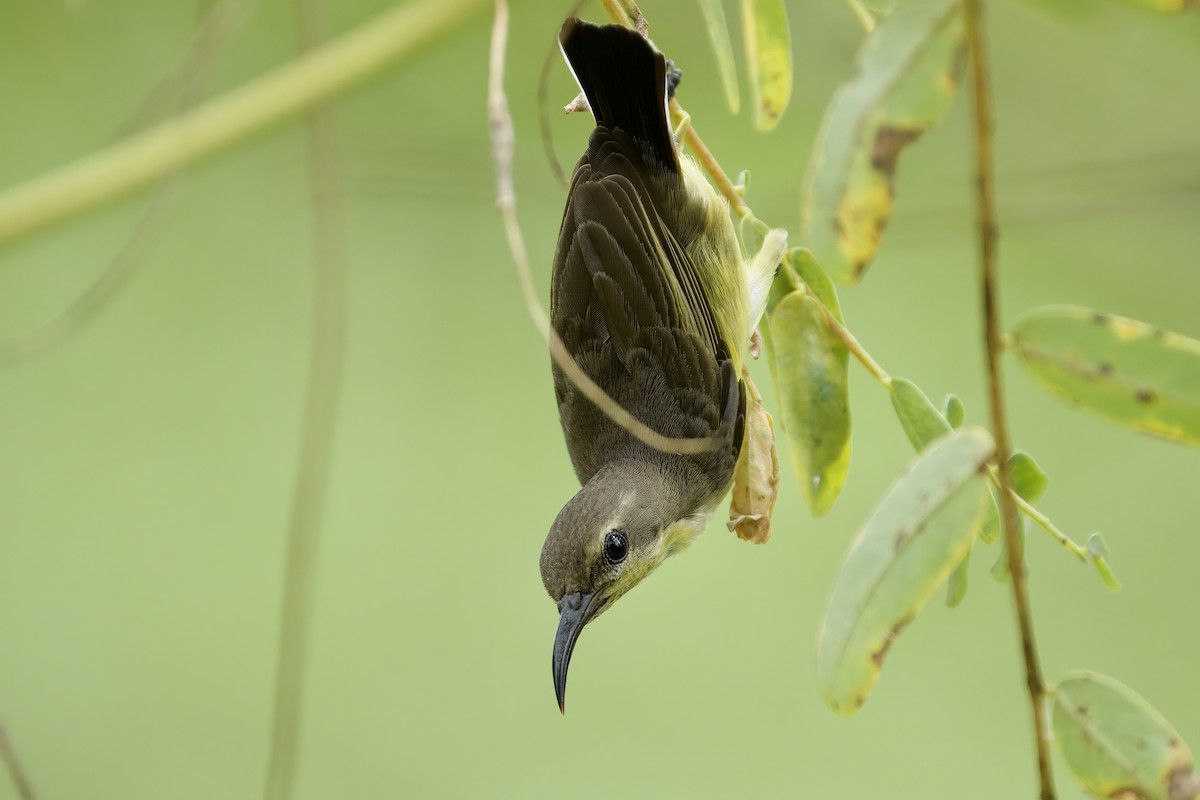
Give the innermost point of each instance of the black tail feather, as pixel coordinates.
(625, 81)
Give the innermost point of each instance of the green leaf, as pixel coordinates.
(1117, 745)
(910, 544)
(907, 74)
(1027, 477)
(955, 412)
(1099, 553)
(809, 366)
(956, 586)
(769, 49)
(801, 260)
(1132, 373)
(718, 34)
(923, 423)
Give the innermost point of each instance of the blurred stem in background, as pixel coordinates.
(317, 432)
(178, 91)
(8, 755)
(984, 121)
(185, 139)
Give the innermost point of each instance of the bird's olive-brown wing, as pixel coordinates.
(626, 301)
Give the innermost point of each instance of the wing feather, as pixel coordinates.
(628, 304)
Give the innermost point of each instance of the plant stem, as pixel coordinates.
(8, 755)
(317, 433)
(185, 139)
(986, 210)
(506, 201)
(1031, 511)
(865, 17)
(853, 345)
(725, 186)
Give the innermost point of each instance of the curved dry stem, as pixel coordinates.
(215, 27)
(986, 212)
(12, 763)
(865, 17)
(506, 201)
(543, 100)
(104, 289)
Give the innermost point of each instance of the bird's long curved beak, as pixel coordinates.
(577, 608)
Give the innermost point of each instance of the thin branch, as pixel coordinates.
(216, 25)
(986, 210)
(709, 162)
(543, 100)
(317, 434)
(853, 345)
(186, 139)
(865, 17)
(1029, 510)
(506, 201)
(8, 755)
(838, 329)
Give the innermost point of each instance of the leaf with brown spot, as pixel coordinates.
(1127, 371)
(756, 477)
(907, 74)
(923, 528)
(769, 51)
(1121, 746)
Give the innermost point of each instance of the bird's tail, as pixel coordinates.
(625, 81)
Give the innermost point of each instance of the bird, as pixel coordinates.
(653, 298)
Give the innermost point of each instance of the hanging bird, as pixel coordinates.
(651, 295)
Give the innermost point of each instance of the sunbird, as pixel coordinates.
(652, 297)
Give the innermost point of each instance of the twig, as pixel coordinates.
(709, 162)
(838, 329)
(217, 23)
(8, 755)
(317, 433)
(506, 201)
(865, 17)
(543, 94)
(1029, 510)
(853, 345)
(985, 200)
(185, 139)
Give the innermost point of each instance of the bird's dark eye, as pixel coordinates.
(616, 547)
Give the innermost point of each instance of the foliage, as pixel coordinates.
(921, 533)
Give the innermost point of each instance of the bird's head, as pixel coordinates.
(613, 533)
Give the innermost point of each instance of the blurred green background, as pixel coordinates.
(145, 466)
